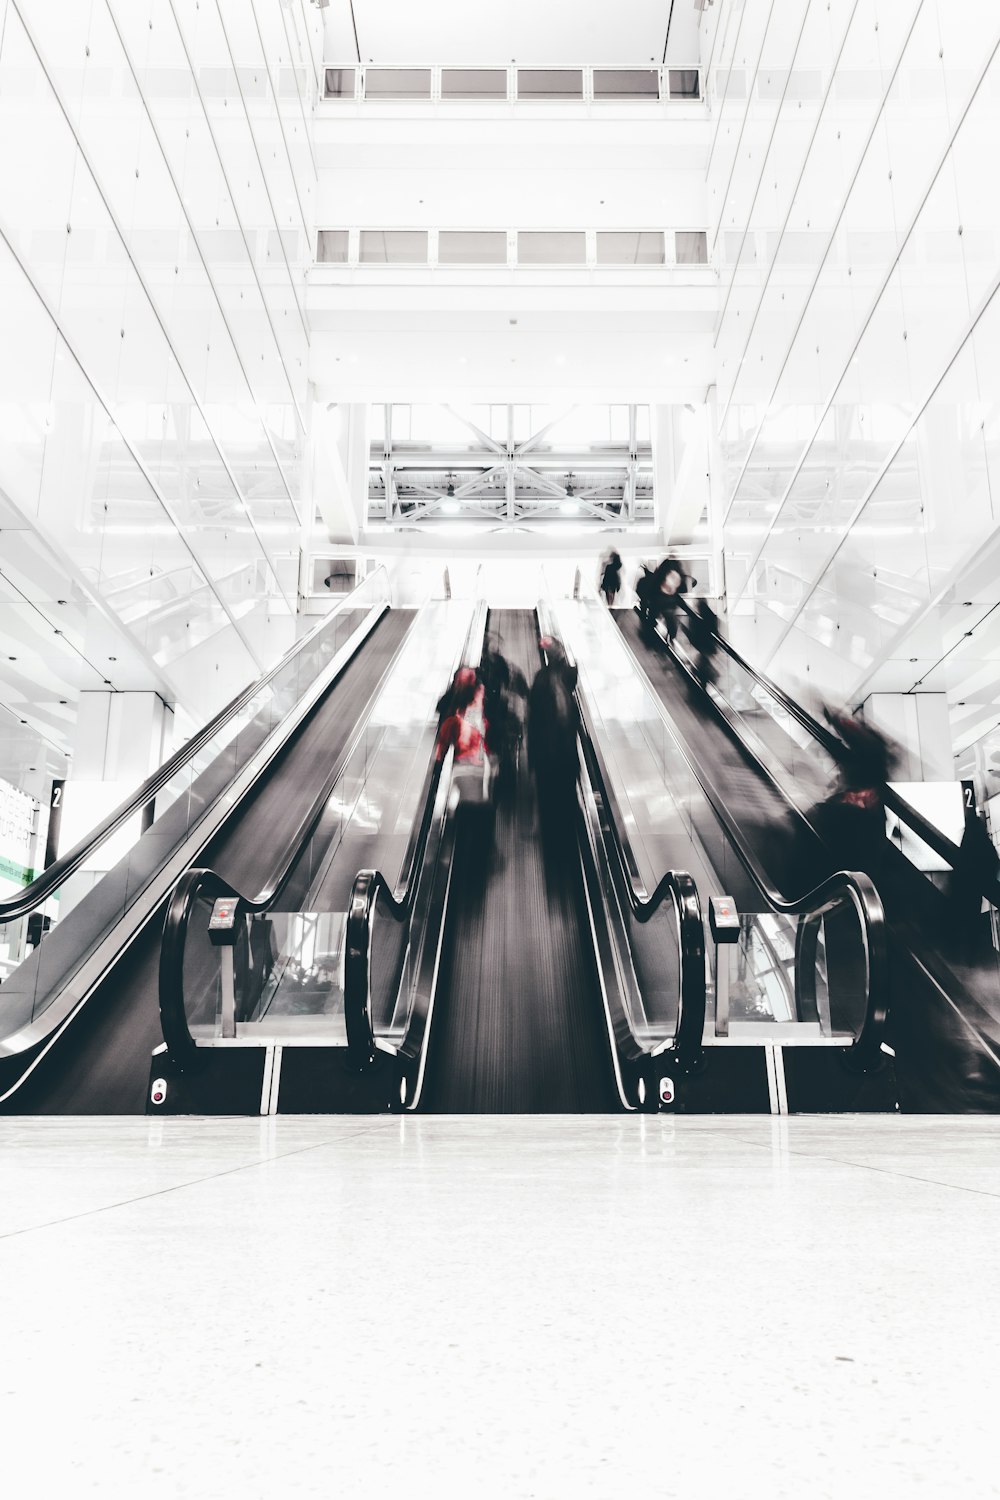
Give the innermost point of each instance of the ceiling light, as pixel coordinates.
(569, 507)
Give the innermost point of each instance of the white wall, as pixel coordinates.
(857, 235)
(157, 193)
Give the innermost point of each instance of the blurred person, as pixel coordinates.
(865, 759)
(702, 633)
(611, 578)
(659, 594)
(972, 877)
(553, 726)
(505, 690)
(464, 729)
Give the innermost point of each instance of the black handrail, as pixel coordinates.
(369, 884)
(944, 847)
(181, 1045)
(61, 869)
(679, 885)
(683, 892)
(857, 887)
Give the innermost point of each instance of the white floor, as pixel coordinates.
(516, 1307)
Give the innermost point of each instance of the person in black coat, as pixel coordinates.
(611, 578)
(702, 633)
(553, 726)
(659, 594)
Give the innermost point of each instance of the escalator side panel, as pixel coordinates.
(227, 1081)
(316, 1081)
(100, 1064)
(733, 1080)
(817, 1081)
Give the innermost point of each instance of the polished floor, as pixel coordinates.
(516, 1306)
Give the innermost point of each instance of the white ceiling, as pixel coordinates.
(533, 33)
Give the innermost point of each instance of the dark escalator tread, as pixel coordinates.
(101, 1063)
(518, 1024)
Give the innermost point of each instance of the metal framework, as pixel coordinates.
(510, 484)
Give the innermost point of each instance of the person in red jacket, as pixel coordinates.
(464, 730)
(463, 723)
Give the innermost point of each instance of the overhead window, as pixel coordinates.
(691, 247)
(331, 246)
(550, 83)
(626, 83)
(554, 247)
(472, 247)
(683, 83)
(397, 247)
(397, 83)
(473, 83)
(631, 247)
(339, 83)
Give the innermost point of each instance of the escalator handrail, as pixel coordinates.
(855, 885)
(369, 884)
(944, 847)
(203, 881)
(678, 885)
(44, 885)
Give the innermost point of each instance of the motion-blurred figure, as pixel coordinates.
(702, 633)
(659, 594)
(611, 577)
(505, 692)
(974, 874)
(865, 759)
(464, 729)
(553, 726)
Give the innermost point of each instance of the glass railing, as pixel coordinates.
(654, 979)
(288, 968)
(817, 962)
(92, 887)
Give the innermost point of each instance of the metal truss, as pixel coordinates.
(510, 484)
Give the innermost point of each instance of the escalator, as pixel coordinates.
(79, 1018)
(488, 974)
(518, 1025)
(944, 1025)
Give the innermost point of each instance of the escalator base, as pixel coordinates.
(777, 1080)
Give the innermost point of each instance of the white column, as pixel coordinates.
(339, 468)
(120, 736)
(661, 437)
(681, 488)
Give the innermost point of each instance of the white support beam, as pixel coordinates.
(340, 467)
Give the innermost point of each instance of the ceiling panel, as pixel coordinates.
(533, 33)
